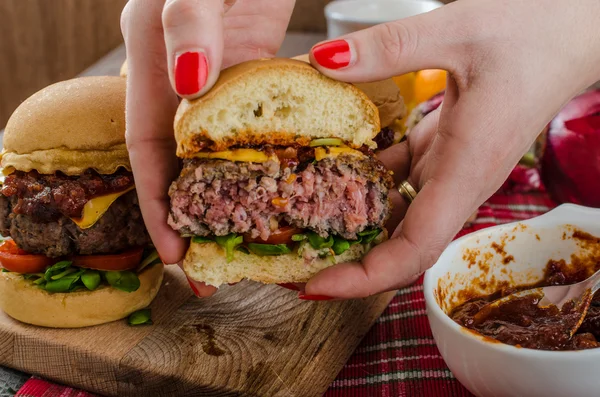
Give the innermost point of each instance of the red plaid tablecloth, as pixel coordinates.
(398, 357)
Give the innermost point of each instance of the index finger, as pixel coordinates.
(151, 106)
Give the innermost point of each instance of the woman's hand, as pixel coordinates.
(512, 65)
(179, 47)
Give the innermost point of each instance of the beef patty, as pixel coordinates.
(48, 197)
(341, 196)
(120, 228)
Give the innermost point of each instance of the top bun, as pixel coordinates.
(69, 126)
(385, 94)
(276, 101)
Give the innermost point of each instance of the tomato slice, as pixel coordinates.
(282, 235)
(17, 260)
(126, 260)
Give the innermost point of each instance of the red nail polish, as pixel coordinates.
(289, 286)
(305, 297)
(333, 54)
(191, 72)
(193, 287)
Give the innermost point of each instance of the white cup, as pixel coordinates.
(346, 16)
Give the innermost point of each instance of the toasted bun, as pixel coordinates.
(69, 126)
(25, 302)
(385, 94)
(206, 262)
(277, 101)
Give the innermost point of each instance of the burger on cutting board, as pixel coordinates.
(76, 252)
(280, 179)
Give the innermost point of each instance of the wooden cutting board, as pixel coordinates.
(248, 339)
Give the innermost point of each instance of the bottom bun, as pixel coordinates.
(206, 262)
(27, 303)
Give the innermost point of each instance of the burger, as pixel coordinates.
(75, 252)
(279, 176)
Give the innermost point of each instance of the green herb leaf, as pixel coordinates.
(64, 283)
(39, 281)
(63, 273)
(369, 235)
(91, 279)
(5, 270)
(318, 242)
(326, 142)
(151, 259)
(201, 239)
(243, 249)
(268, 249)
(229, 243)
(125, 281)
(140, 317)
(340, 245)
(298, 237)
(57, 268)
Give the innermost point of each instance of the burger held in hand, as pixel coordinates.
(279, 179)
(76, 252)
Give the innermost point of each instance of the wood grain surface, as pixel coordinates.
(44, 41)
(248, 339)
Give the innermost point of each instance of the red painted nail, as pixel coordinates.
(333, 54)
(305, 297)
(193, 287)
(191, 72)
(289, 286)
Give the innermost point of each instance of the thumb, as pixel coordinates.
(193, 33)
(426, 41)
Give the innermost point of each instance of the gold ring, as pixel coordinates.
(407, 191)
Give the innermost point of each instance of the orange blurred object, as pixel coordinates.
(406, 84)
(428, 82)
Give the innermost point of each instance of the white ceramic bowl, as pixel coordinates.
(491, 369)
(346, 16)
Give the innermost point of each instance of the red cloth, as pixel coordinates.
(398, 357)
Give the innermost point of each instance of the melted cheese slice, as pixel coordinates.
(256, 156)
(96, 207)
(243, 155)
(334, 151)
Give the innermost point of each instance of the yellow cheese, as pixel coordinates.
(256, 156)
(244, 155)
(334, 151)
(96, 207)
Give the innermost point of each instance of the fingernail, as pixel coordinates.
(193, 287)
(231, 284)
(305, 297)
(334, 54)
(191, 72)
(289, 286)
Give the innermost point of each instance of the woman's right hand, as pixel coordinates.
(512, 65)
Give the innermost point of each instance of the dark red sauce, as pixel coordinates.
(520, 322)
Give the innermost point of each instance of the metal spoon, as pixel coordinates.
(556, 295)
